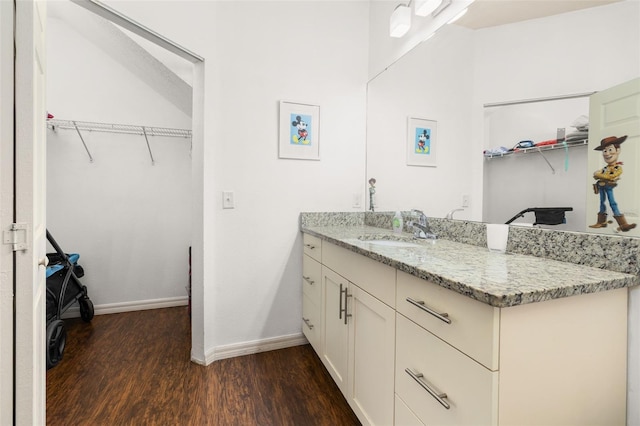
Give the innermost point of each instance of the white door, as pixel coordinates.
(30, 179)
(6, 211)
(616, 112)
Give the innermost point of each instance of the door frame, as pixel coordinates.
(36, 400)
(7, 14)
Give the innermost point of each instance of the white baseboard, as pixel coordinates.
(215, 354)
(252, 347)
(138, 305)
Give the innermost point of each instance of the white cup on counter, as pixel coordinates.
(497, 237)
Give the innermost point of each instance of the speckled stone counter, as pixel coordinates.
(468, 267)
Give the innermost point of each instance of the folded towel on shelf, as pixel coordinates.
(581, 123)
(577, 136)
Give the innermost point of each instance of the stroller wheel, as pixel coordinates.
(56, 341)
(86, 309)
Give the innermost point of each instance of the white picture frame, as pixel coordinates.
(422, 142)
(299, 135)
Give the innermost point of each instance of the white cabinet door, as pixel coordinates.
(334, 328)
(371, 357)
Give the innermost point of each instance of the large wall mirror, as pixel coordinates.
(497, 86)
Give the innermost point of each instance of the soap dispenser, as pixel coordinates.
(397, 222)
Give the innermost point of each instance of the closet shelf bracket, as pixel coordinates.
(83, 143)
(144, 131)
(553, 171)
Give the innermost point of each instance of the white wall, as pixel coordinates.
(129, 220)
(257, 53)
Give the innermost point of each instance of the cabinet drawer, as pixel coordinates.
(312, 246)
(373, 277)
(404, 416)
(472, 327)
(311, 322)
(471, 389)
(311, 278)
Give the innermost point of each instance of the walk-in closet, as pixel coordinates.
(118, 162)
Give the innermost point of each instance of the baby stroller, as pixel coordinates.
(63, 290)
(545, 215)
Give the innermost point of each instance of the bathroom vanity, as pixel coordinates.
(442, 332)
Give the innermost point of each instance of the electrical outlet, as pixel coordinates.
(228, 201)
(356, 201)
(465, 200)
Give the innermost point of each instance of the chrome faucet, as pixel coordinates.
(421, 228)
(450, 214)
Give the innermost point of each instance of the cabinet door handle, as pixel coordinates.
(306, 321)
(308, 279)
(420, 304)
(310, 246)
(346, 315)
(340, 302)
(440, 397)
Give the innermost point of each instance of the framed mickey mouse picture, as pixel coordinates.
(421, 142)
(299, 131)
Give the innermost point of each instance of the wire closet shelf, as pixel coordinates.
(146, 131)
(54, 124)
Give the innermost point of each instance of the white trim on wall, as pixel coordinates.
(137, 305)
(254, 347)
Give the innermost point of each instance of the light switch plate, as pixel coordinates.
(228, 201)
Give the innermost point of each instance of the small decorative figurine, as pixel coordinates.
(372, 193)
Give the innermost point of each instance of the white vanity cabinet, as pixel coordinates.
(407, 351)
(559, 362)
(358, 331)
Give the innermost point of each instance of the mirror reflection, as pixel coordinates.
(476, 85)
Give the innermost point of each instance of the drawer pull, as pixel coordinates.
(308, 279)
(420, 304)
(440, 397)
(306, 321)
(310, 246)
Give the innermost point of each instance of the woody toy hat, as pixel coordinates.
(611, 140)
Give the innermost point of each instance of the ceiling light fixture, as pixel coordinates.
(426, 7)
(400, 21)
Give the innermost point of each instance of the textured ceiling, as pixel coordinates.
(491, 13)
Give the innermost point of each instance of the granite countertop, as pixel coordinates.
(498, 279)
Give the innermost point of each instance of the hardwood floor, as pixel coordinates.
(134, 369)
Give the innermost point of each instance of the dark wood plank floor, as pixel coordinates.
(134, 369)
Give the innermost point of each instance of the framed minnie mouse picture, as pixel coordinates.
(299, 131)
(422, 138)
